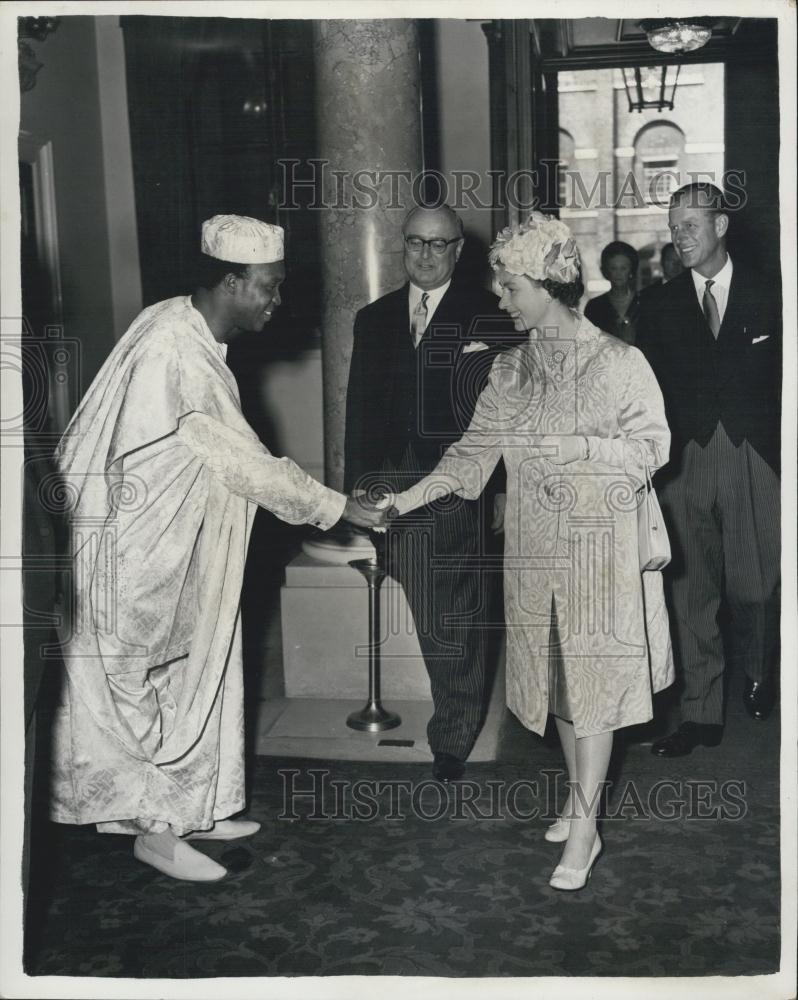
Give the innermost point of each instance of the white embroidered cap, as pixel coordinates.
(241, 240)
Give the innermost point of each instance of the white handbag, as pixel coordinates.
(653, 546)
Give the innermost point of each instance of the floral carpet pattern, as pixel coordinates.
(347, 880)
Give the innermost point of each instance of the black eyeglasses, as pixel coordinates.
(415, 244)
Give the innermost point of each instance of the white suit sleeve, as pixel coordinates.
(236, 457)
(467, 464)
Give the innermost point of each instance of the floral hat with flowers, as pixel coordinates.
(541, 247)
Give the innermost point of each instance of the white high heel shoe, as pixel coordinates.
(558, 832)
(571, 879)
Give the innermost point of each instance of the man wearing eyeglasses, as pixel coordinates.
(421, 356)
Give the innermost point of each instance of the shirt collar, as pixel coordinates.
(722, 278)
(434, 299)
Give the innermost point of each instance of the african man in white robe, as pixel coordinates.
(164, 475)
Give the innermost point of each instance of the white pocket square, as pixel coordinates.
(475, 345)
(758, 340)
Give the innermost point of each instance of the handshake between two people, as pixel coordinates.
(370, 510)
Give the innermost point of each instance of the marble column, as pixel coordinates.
(369, 120)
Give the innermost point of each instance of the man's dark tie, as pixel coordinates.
(420, 319)
(710, 307)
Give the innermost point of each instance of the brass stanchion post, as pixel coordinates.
(373, 718)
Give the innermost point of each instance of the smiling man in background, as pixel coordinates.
(713, 337)
(164, 474)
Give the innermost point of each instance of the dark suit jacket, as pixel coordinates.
(425, 396)
(735, 379)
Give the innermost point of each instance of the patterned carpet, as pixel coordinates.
(444, 886)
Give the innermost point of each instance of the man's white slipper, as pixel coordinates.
(226, 829)
(186, 863)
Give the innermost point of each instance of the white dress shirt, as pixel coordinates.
(720, 288)
(434, 296)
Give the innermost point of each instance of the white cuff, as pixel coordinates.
(329, 511)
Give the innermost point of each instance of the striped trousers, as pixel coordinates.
(723, 515)
(436, 554)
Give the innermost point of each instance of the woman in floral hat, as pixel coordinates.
(578, 418)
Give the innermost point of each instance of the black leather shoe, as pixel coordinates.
(686, 738)
(759, 698)
(446, 768)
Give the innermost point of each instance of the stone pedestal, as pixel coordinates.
(325, 655)
(325, 635)
(324, 615)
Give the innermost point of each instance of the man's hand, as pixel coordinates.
(366, 513)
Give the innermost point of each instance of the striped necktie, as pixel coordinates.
(419, 324)
(710, 307)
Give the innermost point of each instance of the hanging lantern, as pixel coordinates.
(650, 87)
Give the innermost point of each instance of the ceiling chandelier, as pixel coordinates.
(675, 37)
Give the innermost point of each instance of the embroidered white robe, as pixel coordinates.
(162, 473)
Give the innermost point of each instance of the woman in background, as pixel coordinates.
(617, 310)
(577, 417)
